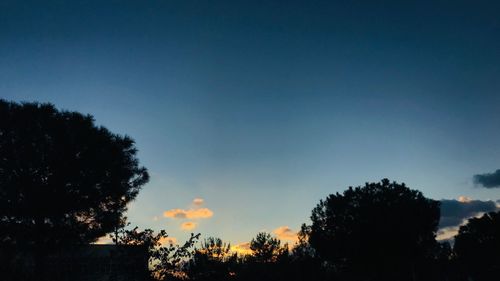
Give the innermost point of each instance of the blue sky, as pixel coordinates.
(262, 108)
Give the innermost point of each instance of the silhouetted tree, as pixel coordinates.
(268, 261)
(134, 236)
(171, 261)
(213, 261)
(437, 266)
(304, 263)
(477, 247)
(167, 261)
(303, 249)
(62, 178)
(266, 249)
(381, 231)
(215, 248)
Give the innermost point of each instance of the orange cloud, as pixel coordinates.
(242, 249)
(464, 199)
(198, 201)
(168, 241)
(202, 213)
(189, 225)
(286, 233)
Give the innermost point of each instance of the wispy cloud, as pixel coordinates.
(189, 225)
(488, 180)
(286, 233)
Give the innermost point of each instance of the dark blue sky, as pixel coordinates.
(264, 107)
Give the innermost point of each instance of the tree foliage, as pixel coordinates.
(215, 248)
(167, 261)
(477, 247)
(212, 261)
(63, 179)
(266, 248)
(380, 230)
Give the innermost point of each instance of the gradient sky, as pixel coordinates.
(262, 108)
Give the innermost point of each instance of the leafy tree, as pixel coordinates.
(477, 247)
(63, 179)
(381, 231)
(267, 249)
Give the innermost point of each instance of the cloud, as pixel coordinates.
(189, 225)
(447, 233)
(286, 233)
(198, 201)
(464, 199)
(192, 213)
(168, 241)
(242, 249)
(491, 180)
(202, 213)
(453, 212)
(104, 240)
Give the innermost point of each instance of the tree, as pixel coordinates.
(215, 248)
(212, 261)
(477, 247)
(380, 231)
(62, 178)
(268, 261)
(267, 249)
(167, 261)
(304, 263)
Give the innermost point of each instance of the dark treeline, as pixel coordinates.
(379, 231)
(65, 182)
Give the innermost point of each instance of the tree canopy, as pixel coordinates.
(477, 247)
(212, 261)
(380, 230)
(265, 248)
(63, 179)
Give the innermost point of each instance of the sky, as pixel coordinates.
(247, 113)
